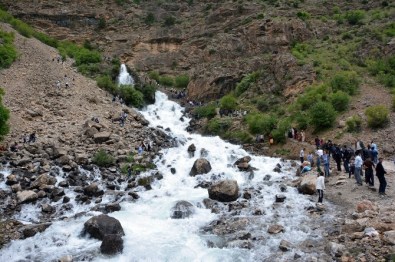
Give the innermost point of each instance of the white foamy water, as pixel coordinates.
(150, 233)
(124, 77)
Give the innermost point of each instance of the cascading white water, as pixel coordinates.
(150, 233)
(124, 77)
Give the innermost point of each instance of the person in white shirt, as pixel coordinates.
(358, 168)
(320, 186)
(301, 155)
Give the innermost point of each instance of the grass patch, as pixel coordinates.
(8, 53)
(103, 159)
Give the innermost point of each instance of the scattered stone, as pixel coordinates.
(280, 198)
(389, 237)
(224, 191)
(275, 229)
(365, 205)
(182, 209)
(285, 245)
(201, 166)
(26, 196)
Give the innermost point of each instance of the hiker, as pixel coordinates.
(310, 158)
(337, 156)
(368, 166)
(358, 168)
(380, 172)
(351, 170)
(320, 186)
(302, 136)
(319, 154)
(32, 137)
(325, 161)
(374, 153)
(301, 155)
(140, 149)
(359, 146)
(14, 147)
(317, 142)
(130, 169)
(346, 155)
(271, 140)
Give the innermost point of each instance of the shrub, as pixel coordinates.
(378, 116)
(302, 121)
(105, 82)
(303, 15)
(149, 19)
(301, 50)
(181, 81)
(217, 126)
(228, 102)
(102, 23)
(103, 159)
(21, 27)
(340, 101)
(131, 96)
(46, 39)
(322, 115)
(355, 16)
(154, 75)
(245, 83)
(261, 124)
(384, 69)
(354, 124)
(238, 137)
(207, 111)
(8, 52)
(279, 134)
(346, 81)
(312, 95)
(4, 116)
(148, 92)
(169, 21)
(166, 80)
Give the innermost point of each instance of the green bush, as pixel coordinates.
(303, 15)
(301, 50)
(103, 159)
(355, 17)
(148, 92)
(131, 96)
(218, 126)
(4, 116)
(207, 111)
(105, 82)
(181, 81)
(169, 21)
(154, 75)
(149, 19)
(312, 95)
(166, 80)
(8, 52)
(322, 115)
(46, 39)
(340, 101)
(378, 116)
(302, 121)
(354, 124)
(228, 102)
(238, 137)
(23, 28)
(346, 81)
(279, 134)
(384, 70)
(245, 83)
(261, 124)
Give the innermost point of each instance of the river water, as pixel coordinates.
(150, 233)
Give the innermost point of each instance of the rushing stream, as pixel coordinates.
(150, 233)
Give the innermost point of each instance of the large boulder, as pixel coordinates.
(100, 226)
(101, 137)
(201, 166)
(182, 209)
(224, 191)
(366, 205)
(389, 237)
(43, 180)
(26, 196)
(111, 245)
(307, 185)
(92, 190)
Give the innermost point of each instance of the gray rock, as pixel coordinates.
(224, 191)
(26, 196)
(389, 237)
(275, 229)
(111, 245)
(307, 184)
(335, 249)
(43, 180)
(182, 209)
(280, 198)
(101, 137)
(285, 245)
(100, 226)
(201, 166)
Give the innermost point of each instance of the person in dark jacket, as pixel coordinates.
(369, 165)
(380, 172)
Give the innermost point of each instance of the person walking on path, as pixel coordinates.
(301, 155)
(380, 172)
(325, 160)
(369, 165)
(358, 165)
(320, 186)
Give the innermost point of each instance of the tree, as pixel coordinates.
(322, 115)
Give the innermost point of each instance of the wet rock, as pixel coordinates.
(246, 244)
(283, 188)
(63, 183)
(31, 230)
(46, 208)
(224, 191)
(173, 170)
(100, 226)
(277, 169)
(16, 188)
(68, 258)
(66, 199)
(26, 196)
(247, 195)
(201, 166)
(134, 195)
(275, 229)
(91, 190)
(267, 177)
(191, 150)
(243, 163)
(182, 209)
(335, 249)
(43, 180)
(41, 194)
(112, 207)
(307, 185)
(112, 244)
(11, 180)
(280, 198)
(285, 245)
(203, 152)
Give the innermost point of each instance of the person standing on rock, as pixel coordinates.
(380, 172)
(301, 155)
(325, 160)
(358, 166)
(368, 166)
(320, 186)
(302, 135)
(310, 158)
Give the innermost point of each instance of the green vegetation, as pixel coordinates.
(169, 21)
(238, 137)
(261, 124)
(218, 126)
(149, 19)
(354, 17)
(384, 70)
(131, 96)
(346, 81)
(378, 116)
(340, 101)
(181, 81)
(303, 15)
(228, 102)
(354, 123)
(4, 116)
(8, 52)
(322, 115)
(207, 111)
(103, 159)
(245, 83)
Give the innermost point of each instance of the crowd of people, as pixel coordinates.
(358, 161)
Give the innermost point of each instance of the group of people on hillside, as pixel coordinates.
(300, 136)
(358, 161)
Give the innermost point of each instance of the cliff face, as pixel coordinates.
(216, 43)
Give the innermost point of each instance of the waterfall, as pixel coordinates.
(150, 233)
(124, 77)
